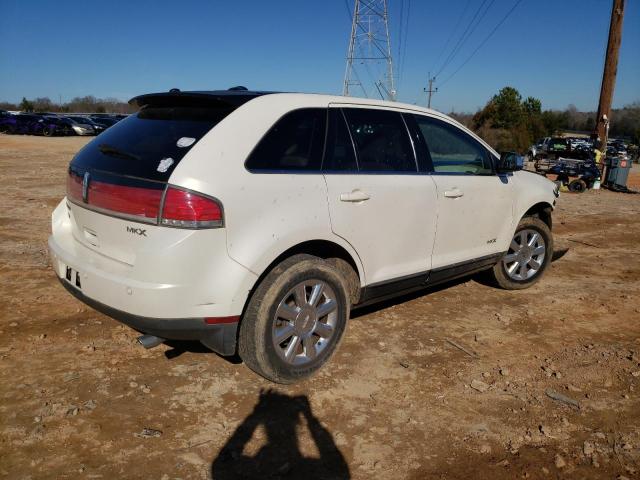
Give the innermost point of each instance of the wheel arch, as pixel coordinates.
(325, 249)
(541, 210)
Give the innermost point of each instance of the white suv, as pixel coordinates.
(254, 222)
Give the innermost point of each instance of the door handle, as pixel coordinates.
(455, 193)
(355, 196)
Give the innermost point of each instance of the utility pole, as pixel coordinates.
(431, 90)
(609, 74)
(370, 49)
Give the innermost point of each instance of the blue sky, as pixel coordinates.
(549, 49)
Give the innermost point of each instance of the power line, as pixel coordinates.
(346, 5)
(471, 27)
(475, 15)
(404, 51)
(453, 31)
(482, 43)
(400, 24)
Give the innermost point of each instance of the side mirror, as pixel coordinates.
(510, 162)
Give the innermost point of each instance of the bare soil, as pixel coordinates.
(79, 398)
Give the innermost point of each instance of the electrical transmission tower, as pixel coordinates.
(370, 50)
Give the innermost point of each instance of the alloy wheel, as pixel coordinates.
(525, 256)
(305, 321)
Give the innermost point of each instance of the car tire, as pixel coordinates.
(47, 132)
(521, 266)
(8, 129)
(283, 306)
(577, 186)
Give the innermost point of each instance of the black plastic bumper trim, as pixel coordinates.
(220, 338)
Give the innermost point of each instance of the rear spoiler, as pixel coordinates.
(175, 97)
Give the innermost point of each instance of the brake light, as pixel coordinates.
(187, 209)
(181, 208)
(74, 187)
(140, 202)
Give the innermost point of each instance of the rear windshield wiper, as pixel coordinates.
(114, 152)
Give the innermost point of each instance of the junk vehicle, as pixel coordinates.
(253, 222)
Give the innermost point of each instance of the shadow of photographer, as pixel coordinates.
(280, 415)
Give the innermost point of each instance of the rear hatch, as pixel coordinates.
(117, 184)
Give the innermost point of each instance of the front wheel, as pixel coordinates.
(528, 256)
(295, 319)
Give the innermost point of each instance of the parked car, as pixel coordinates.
(537, 148)
(56, 126)
(80, 126)
(28, 124)
(255, 222)
(558, 147)
(84, 121)
(7, 122)
(103, 121)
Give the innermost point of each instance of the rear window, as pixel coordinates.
(150, 143)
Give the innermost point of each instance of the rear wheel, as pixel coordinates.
(6, 129)
(528, 256)
(294, 320)
(47, 131)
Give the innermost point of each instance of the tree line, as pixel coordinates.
(85, 104)
(506, 122)
(509, 122)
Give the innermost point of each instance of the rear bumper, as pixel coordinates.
(167, 274)
(220, 338)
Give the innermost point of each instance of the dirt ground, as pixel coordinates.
(400, 399)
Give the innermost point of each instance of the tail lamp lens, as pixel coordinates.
(190, 210)
(119, 199)
(136, 201)
(74, 187)
(181, 208)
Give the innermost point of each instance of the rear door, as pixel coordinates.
(378, 201)
(475, 205)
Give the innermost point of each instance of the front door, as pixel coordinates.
(475, 205)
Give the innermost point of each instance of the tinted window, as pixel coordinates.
(137, 146)
(452, 150)
(381, 140)
(339, 153)
(295, 142)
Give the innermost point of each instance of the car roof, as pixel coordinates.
(238, 96)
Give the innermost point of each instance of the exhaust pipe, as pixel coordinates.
(150, 341)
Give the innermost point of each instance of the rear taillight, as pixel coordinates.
(136, 201)
(187, 209)
(74, 187)
(180, 208)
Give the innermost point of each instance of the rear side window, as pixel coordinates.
(339, 154)
(294, 143)
(381, 139)
(150, 143)
(452, 150)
